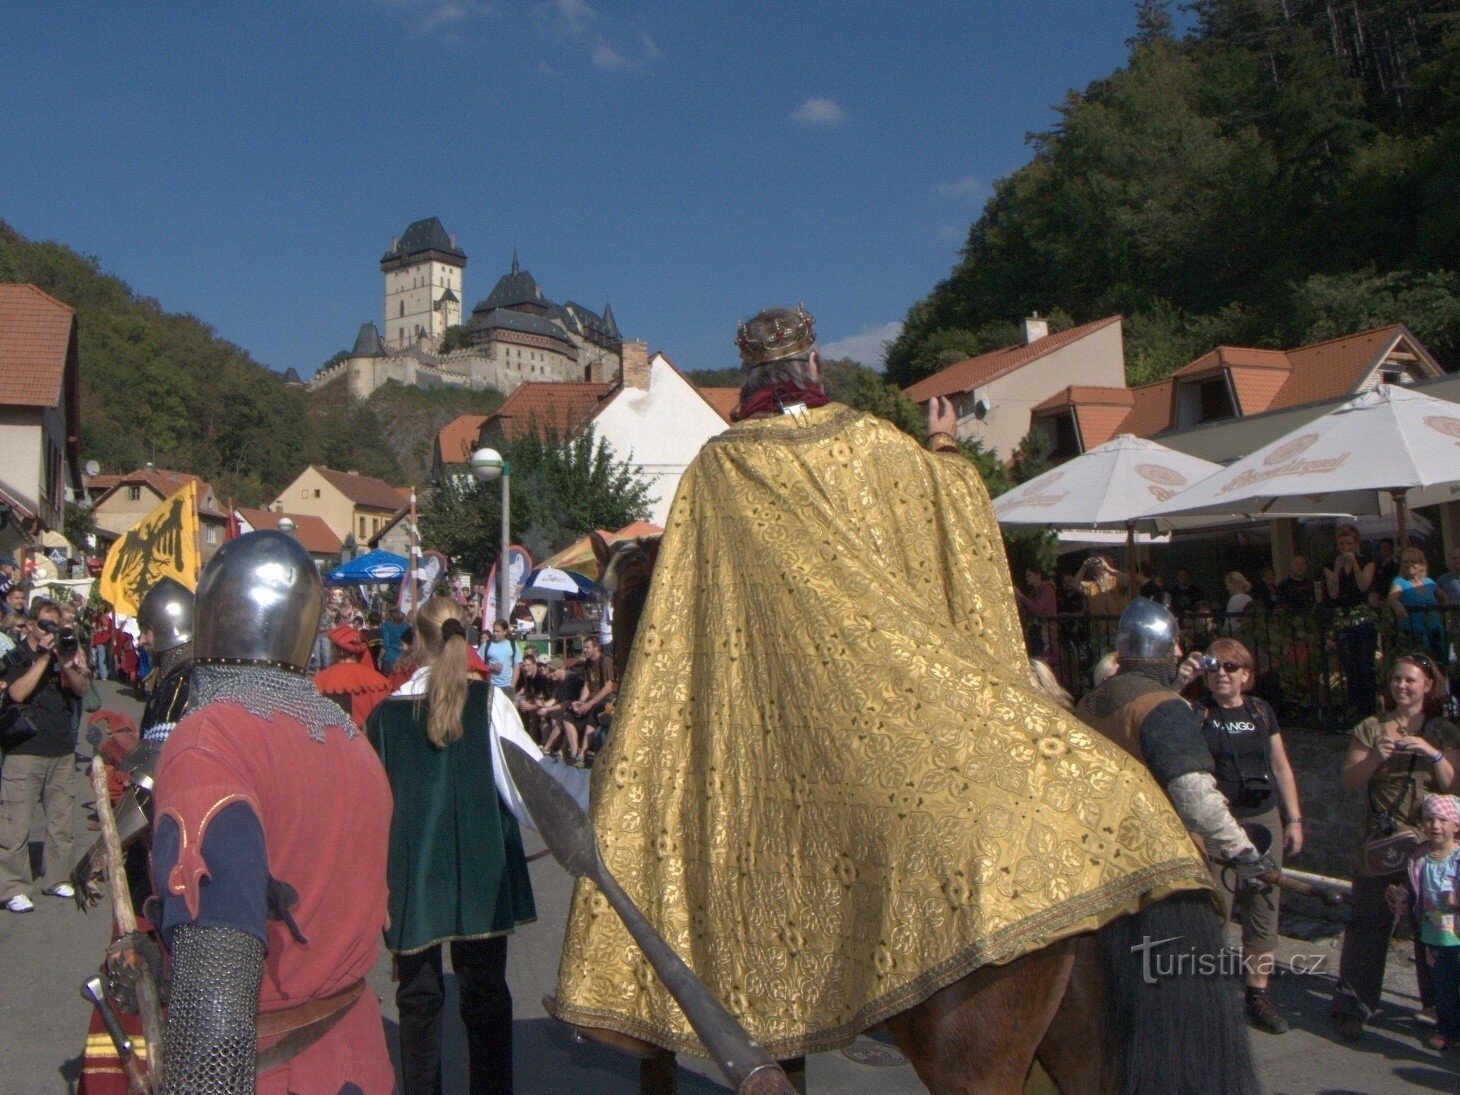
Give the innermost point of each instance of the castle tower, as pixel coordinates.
(422, 285)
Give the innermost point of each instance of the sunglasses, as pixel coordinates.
(1226, 667)
(1424, 663)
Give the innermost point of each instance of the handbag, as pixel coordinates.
(1390, 851)
(16, 725)
(92, 702)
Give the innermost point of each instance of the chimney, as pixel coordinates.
(1035, 328)
(636, 365)
(453, 239)
(395, 243)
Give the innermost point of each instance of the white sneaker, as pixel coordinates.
(65, 889)
(20, 903)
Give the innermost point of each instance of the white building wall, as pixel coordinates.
(410, 297)
(659, 431)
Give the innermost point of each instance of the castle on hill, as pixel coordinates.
(514, 334)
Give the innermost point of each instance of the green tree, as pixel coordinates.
(561, 490)
(455, 337)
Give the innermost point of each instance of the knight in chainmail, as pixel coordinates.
(1140, 710)
(269, 855)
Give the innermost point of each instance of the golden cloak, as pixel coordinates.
(830, 784)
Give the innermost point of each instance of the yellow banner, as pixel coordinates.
(164, 544)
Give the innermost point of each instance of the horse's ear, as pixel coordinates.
(601, 550)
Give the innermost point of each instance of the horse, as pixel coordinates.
(1086, 1010)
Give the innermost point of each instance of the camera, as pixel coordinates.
(1206, 663)
(66, 641)
(1252, 791)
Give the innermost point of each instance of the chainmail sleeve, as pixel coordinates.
(212, 1013)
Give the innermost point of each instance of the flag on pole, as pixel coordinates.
(410, 586)
(233, 530)
(164, 544)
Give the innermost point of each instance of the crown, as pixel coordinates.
(781, 337)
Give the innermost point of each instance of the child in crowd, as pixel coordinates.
(1432, 883)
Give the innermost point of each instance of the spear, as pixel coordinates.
(133, 966)
(568, 833)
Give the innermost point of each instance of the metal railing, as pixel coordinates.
(1311, 666)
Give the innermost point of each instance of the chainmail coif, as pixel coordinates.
(209, 1042)
(266, 691)
(169, 660)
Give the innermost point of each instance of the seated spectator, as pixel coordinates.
(586, 713)
(1416, 598)
(1185, 595)
(567, 688)
(1295, 592)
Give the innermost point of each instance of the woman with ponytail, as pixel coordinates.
(456, 870)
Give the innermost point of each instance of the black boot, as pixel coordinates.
(1262, 1015)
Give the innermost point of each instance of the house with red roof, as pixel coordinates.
(40, 416)
(349, 503)
(652, 418)
(120, 501)
(994, 393)
(313, 534)
(1235, 399)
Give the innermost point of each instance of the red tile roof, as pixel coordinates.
(970, 373)
(164, 484)
(310, 531)
(1152, 411)
(1331, 369)
(364, 490)
(457, 440)
(551, 407)
(35, 336)
(1083, 394)
(724, 400)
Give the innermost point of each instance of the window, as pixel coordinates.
(211, 536)
(316, 492)
(134, 494)
(362, 528)
(303, 492)
(1205, 401)
(402, 308)
(1062, 439)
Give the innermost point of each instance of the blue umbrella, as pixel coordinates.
(552, 584)
(374, 566)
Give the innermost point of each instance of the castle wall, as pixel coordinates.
(410, 297)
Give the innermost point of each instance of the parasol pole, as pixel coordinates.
(1130, 546)
(1400, 521)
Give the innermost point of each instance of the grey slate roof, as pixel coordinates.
(448, 297)
(515, 287)
(367, 342)
(425, 235)
(524, 322)
(590, 320)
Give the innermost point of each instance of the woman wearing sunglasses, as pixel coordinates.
(1396, 759)
(1254, 774)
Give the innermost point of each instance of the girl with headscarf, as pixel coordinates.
(1431, 897)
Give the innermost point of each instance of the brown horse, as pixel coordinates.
(1086, 1009)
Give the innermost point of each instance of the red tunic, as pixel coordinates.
(324, 808)
(357, 681)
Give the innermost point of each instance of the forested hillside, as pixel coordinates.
(164, 387)
(1288, 171)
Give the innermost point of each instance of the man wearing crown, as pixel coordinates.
(831, 784)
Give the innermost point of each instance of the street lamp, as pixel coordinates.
(486, 465)
(287, 526)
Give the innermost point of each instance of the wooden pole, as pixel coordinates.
(1400, 521)
(149, 1004)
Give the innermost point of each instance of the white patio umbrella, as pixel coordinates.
(1390, 442)
(1109, 487)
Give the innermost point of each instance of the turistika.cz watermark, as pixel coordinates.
(1158, 963)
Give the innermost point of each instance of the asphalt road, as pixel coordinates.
(46, 954)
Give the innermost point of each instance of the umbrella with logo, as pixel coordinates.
(552, 584)
(1109, 487)
(373, 566)
(1388, 445)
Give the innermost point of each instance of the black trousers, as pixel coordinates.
(1366, 949)
(486, 1010)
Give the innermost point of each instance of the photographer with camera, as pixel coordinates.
(1396, 759)
(1254, 775)
(45, 678)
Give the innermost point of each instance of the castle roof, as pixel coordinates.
(505, 319)
(515, 287)
(589, 320)
(367, 342)
(420, 238)
(448, 297)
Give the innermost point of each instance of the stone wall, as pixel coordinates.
(1331, 815)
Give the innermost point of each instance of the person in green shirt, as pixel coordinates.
(1432, 873)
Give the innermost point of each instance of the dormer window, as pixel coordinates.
(1062, 438)
(1208, 400)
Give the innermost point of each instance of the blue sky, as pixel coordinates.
(689, 162)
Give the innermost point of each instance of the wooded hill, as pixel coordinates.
(164, 387)
(1286, 172)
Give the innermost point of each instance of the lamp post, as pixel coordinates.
(287, 526)
(486, 465)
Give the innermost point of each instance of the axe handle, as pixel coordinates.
(149, 1004)
(748, 1067)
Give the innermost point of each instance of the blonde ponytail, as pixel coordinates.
(442, 634)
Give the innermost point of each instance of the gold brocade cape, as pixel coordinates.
(830, 784)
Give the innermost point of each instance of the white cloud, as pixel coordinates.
(966, 187)
(819, 111)
(869, 346)
(578, 25)
(428, 17)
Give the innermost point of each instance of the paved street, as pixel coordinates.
(46, 954)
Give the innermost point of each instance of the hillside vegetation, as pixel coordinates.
(1285, 173)
(164, 387)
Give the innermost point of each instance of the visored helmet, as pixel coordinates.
(167, 611)
(258, 603)
(1147, 632)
